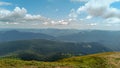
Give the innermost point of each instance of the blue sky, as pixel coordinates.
(63, 14)
(49, 8)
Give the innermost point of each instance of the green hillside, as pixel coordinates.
(103, 60)
(46, 50)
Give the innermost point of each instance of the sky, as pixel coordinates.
(62, 14)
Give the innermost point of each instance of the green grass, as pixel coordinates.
(87, 62)
(90, 61)
(13, 63)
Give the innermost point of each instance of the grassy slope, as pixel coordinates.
(103, 60)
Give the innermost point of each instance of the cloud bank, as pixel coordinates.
(97, 11)
(20, 16)
(100, 8)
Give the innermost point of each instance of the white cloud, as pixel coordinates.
(20, 16)
(4, 3)
(93, 24)
(12, 16)
(112, 20)
(88, 17)
(100, 8)
(58, 22)
(63, 22)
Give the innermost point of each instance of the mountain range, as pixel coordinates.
(110, 39)
(46, 48)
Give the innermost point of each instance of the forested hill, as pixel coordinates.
(49, 48)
